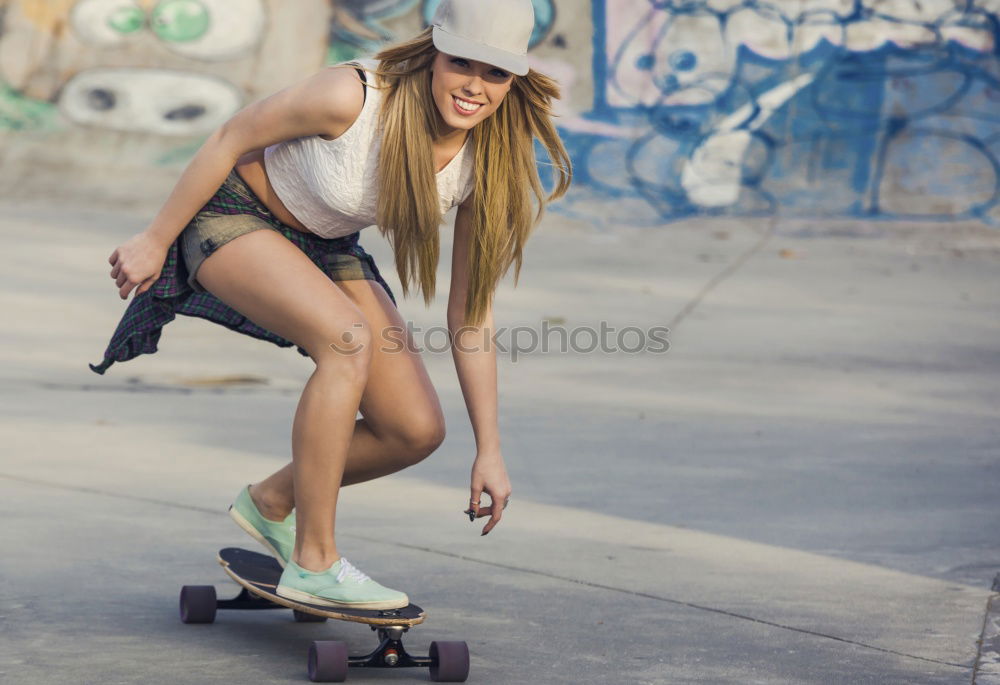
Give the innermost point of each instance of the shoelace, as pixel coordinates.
(348, 569)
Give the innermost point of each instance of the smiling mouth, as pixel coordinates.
(466, 105)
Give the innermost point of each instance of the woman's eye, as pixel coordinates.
(464, 63)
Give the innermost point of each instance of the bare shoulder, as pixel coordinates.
(326, 103)
(341, 95)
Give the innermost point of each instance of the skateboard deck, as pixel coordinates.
(259, 574)
(328, 660)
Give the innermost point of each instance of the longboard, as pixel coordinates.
(258, 575)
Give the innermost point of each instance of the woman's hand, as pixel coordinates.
(137, 262)
(489, 475)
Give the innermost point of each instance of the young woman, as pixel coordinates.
(447, 118)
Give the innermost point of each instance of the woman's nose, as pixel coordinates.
(473, 86)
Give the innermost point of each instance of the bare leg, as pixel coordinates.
(266, 278)
(368, 458)
(402, 421)
(321, 434)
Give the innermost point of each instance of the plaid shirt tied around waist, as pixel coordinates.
(140, 327)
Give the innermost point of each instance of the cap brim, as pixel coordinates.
(451, 44)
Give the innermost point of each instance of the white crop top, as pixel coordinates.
(331, 185)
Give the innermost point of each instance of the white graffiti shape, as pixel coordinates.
(972, 29)
(149, 100)
(868, 35)
(763, 30)
(209, 29)
(811, 29)
(769, 33)
(910, 10)
(200, 29)
(712, 177)
(672, 60)
(106, 22)
(798, 11)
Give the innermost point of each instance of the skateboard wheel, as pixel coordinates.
(198, 604)
(450, 662)
(327, 661)
(303, 617)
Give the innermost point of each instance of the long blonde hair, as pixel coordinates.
(410, 215)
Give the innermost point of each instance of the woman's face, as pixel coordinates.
(466, 91)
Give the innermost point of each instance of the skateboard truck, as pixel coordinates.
(390, 652)
(447, 661)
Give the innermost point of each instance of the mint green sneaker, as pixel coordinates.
(277, 536)
(342, 586)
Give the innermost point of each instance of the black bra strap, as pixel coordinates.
(364, 88)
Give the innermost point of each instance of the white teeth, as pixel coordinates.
(467, 106)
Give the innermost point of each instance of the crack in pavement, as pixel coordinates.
(988, 644)
(730, 269)
(520, 569)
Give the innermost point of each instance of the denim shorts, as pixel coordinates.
(235, 209)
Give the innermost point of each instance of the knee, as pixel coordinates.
(345, 351)
(420, 437)
(433, 436)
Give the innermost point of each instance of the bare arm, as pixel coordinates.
(475, 363)
(473, 352)
(326, 103)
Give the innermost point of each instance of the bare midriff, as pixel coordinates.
(251, 169)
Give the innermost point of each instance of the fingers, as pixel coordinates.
(116, 264)
(474, 508)
(483, 512)
(118, 274)
(125, 285)
(494, 511)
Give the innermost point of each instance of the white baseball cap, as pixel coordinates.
(492, 31)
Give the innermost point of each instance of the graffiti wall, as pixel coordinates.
(864, 108)
(175, 67)
(673, 108)
(100, 95)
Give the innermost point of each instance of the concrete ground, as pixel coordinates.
(803, 489)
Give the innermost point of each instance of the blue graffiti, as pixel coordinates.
(858, 113)
(360, 25)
